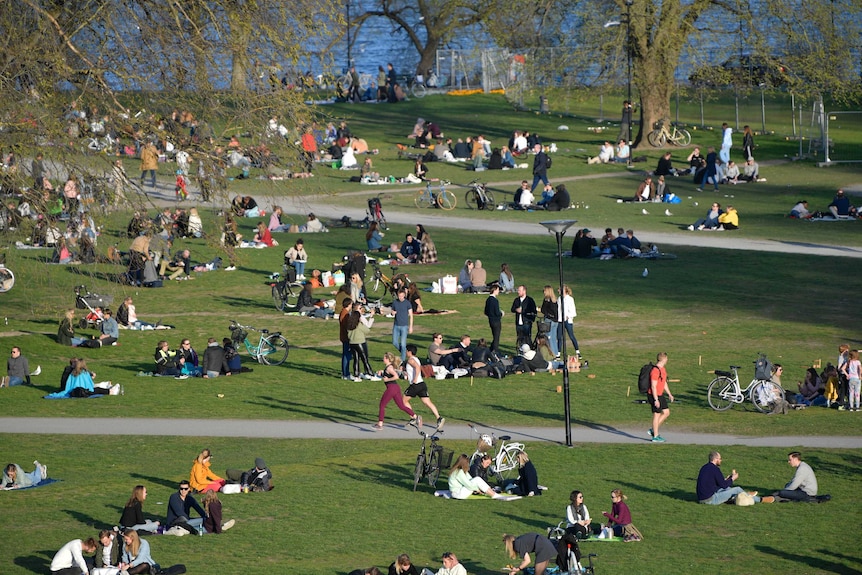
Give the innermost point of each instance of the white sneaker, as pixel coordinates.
(228, 525)
(690, 228)
(38, 371)
(230, 268)
(375, 378)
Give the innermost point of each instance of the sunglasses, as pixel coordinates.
(185, 488)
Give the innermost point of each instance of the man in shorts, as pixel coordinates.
(417, 387)
(656, 396)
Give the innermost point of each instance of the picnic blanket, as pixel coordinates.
(446, 494)
(43, 483)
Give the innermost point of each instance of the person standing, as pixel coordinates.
(346, 353)
(149, 163)
(568, 315)
(540, 166)
(525, 310)
(37, 170)
(495, 317)
(391, 80)
(353, 92)
(656, 396)
(747, 143)
(403, 323)
(726, 143)
(17, 369)
(852, 370)
(626, 122)
(521, 547)
(803, 486)
(711, 171)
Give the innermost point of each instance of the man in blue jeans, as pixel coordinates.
(713, 488)
(17, 369)
(403, 324)
(540, 167)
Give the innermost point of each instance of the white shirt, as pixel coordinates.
(527, 198)
(520, 144)
(727, 140)
(183, 160)
(69, 555)
(623, 151)
(569, 310)
(572, 517)
(606, 153)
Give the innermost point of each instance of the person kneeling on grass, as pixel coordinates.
(462, 485)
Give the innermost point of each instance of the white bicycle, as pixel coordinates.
(7, 279)
(505, 463)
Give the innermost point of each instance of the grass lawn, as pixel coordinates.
(707, 309)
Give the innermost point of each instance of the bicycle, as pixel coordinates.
(725, 390)
(380, 284)
(444, 199)
(417, 87)
(271, 349)
(478, 197)
(429, 462)
(283, 293)
(364, 81)
(7, 279)
(662, 135)
(505, 463)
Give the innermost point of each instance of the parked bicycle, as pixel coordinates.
(662, 135)
(443, 199)
(7, 279)
(380, 284)
(505, 463)
(430, 461)
(285, 293)
(725, 389)
(478, 197)
(271, 349)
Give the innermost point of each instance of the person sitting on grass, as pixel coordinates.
(166, 360)
(729, 220)
(462, 485)
(800, 210)
(528, 479)
(710, 221)
(179, 511)
(840, 206)
(133, 514)
(69, 560)
(714, 488)
(402, 566)
(606, 155)
(79, 383)
(201, 477)
(213, 522)
(751, 172)
(136, 554)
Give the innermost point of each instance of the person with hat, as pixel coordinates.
(585, 245)
(258, 478)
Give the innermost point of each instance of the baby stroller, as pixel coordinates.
(375, 213)
(92, 302)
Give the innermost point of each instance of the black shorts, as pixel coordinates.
(417, 390)
(662, 403)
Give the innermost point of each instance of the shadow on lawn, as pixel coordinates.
(820, 562)
(35, 563)
(674, 494)
(157, 480)
(85, 519)
(243, 304)
(317, 411)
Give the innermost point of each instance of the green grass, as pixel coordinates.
(707, 309)
(342, 505)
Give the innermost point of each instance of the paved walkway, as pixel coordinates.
(586, 433)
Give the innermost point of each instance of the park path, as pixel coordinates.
(581, 433)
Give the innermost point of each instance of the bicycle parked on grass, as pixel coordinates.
(430, 461)
(271, 349)
(725, 389)
(504, 465)
(478, 197)
(285, 293)
(380, 284)
(7, 279)
(443, 199)
(662, 135)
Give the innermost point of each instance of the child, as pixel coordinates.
(180, 188)
(853, 371)
(390, 374)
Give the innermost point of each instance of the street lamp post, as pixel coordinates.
(559, 228)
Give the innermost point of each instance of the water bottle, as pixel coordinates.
(646, 272)
(200, 530)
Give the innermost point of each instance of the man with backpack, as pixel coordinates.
(656, 396)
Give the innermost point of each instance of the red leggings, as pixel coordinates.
(393, 391)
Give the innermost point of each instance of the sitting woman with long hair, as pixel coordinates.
(79, 384)
(212, 505)
(202, 478)
(462, 485)
(133, 514)
(373, 238)
(136, 554)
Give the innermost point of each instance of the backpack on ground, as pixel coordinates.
(645, 378)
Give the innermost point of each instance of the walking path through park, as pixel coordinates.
(329, 207)
(582, 432)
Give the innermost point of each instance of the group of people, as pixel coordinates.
(185, 362)
(717, 219)
(553, 199)
(837, 386)
(839, 208)
(621, 245)
(715, 488)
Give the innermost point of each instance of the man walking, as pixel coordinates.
(524, 308)
(540, 166)
(803, 486)
(656, 396)
(495, 317)
(403, 323)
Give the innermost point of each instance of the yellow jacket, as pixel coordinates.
(201, 476)
(729, 217)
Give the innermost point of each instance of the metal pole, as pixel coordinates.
(762, 111)
(348, 34)
(566, 398)
(628, 82)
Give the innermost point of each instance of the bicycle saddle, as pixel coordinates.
(505, 437)
(264, 331)
(735, 367)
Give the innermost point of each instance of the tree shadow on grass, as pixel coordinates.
(675, 494)
(389, 475)
(316, 411)
(244, 305)
(87, 520)
(36, 563)
(155, 480)
(537, 525)
(821, 562)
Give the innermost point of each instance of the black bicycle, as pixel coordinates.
(285, 294)
(431, 460)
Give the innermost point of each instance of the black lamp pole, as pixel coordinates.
(559, 228)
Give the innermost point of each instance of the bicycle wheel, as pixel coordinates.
(277, 299)
(682, 138)
(506, 465)
(291, 298)
(419, 470)
(274, 350)
(422, 200)
(489, 201)
(765, 394)
(434, 467)
(418, 90)
(656, 138)
(471, 198)
(446, 200)
(375, 288)
(720, 393)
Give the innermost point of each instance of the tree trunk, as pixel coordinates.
(240, 34)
